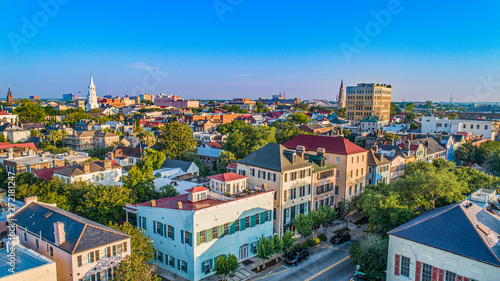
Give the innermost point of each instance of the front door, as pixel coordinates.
(244, 252)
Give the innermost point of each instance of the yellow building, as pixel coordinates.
(366, 99)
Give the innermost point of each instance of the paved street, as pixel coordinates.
(328, 263)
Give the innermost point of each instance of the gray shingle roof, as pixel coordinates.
(453, 228)
(75, 170)
(172, 163)
(433, 146)
(275, 157)
(81, 234)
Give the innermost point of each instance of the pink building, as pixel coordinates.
(175, 101)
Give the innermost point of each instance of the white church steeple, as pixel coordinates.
(91, 97)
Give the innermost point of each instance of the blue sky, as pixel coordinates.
(240, 48)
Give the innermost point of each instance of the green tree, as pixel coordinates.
(299, 118)
(409, 116)
(141, 245)
(53, 136)
(141, 184)
(476, 180)
(35, 133)
(278, 245)
(486, 149)
(390, 136)
(148, 138)
(235, 108)
(347, 134)
(153, 159)
(453, 116)
(174, 139)
(225, 159)
(100, 203)
(410, 106)
(191, 157)
(303, 224)
(413, 127)
(494, 164)
(3, 138)
(288, 240)
(265, 249)
(346, 207)
(287, 130)
(341, 113)
(224, 265)
(133, 268)
(466, 153)
(248, 139)
(168, 191)
(29, 112)
(326, 215)
(371, 255)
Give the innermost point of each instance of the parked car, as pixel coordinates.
(340, 238)
(297, 256)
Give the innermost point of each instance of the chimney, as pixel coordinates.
(375, 148)
(320, 151)
(407, 144)
(29, 200)
(179, 205)
(59, 233)
(86, 167)
(392, 142)
(380, 157)
(153, 203)
(300, 151)
(107, 164)
(110, 155)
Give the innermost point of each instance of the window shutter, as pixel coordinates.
(154, 227)
(209, 235)
(179, 264)
(91, 257)
(252, 220)
(435, 272)
(139, 222)
(460, 278)
(164, 230)
(79, 259)
(182, 236)
(114, 250)
(97, 257)
(396, 265)
(262, 217)
(232, 228)
(197, 238)
(211, 264)
(190, 239)
(418, 271)
(173, 233)
(466, 279)
(441, 274)
(270, 214)
(243, 224)
(124, 246)
(221, 230)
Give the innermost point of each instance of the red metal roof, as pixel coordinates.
(231, 166)
(46, 174)
(4, 113)
(197, 189)
(215, 144)
(5, 145)
(227, 177)
(336, 145)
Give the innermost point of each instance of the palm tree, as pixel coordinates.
(62, 136)
(147, 138)
(54, 136)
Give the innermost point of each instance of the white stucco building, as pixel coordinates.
(191, 230)
(103, 172)
(458, 242)
(488, 129)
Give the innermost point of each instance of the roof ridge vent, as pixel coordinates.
(483, 228)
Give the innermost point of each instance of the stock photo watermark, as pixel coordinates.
(363, 36)
(11, 225)
(150, 81)
(485, 89)
(223, 6)
(31, 26)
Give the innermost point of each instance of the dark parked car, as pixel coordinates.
(297, 256)
(340, 238)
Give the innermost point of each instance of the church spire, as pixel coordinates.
(91, 80)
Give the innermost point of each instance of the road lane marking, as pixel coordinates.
(328, 268)
(269, 274)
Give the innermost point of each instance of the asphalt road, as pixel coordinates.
(331, 263)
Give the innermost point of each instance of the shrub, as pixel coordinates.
(316, 241)
(311, 242)
(305, 245)
(322, 237)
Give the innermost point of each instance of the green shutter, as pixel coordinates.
(211, 264)
(262, 217)
(139, 220)
(197, 238)
(182, 236)
(154, 227)
(221, 230)
(173, 233)
(270, 215)
(232, 228)
(164, 230)
(190, 239)
(243, 224)
(209, 235)
(252, 221)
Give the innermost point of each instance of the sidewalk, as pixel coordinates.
(247, 267)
